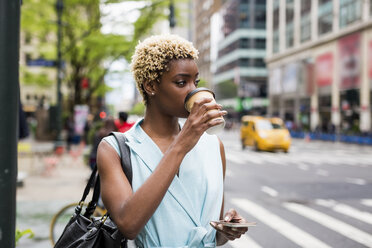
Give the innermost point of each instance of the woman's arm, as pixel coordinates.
(221, 239)
(225, 234)
(129, 210)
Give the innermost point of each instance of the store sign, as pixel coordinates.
(324, 69)
(80, 117)
(275, 87)
(350, 67)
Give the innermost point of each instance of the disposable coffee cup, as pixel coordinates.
(200, 93)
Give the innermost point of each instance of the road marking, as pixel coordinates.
(346, 210)
(357, 181)
(332, 223)
(244, 241)
(234, 159)
(288, 230)
(323, 173)
(367, 202)
(270, 191)
(303, 167)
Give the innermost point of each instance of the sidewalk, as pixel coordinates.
(49, 182)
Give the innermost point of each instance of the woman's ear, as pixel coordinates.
(149, 88)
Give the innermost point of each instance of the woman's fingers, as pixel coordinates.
(228, 232)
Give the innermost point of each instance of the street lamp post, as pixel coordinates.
(9, 100)
(59, 8)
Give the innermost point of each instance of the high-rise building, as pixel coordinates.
(203, 10)
(241, 54)
(319, 61)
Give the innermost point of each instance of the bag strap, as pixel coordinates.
(87, 189)
(125, 154)
(126, 165)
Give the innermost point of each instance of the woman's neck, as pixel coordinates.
(160, 126)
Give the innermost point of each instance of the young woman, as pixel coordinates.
(178, 171)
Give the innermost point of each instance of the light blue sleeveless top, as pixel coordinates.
(193, 199)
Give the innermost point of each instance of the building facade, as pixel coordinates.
(319, 56)
(241, 53)
(203, 10)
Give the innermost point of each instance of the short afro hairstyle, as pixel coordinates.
(152, 57)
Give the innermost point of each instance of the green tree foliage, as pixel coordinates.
(138, 109)
(86, 50)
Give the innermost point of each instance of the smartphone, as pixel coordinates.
(233, 224)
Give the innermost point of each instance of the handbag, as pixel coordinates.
(85, 231)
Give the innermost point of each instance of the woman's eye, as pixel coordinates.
(181, 83)
(197, 82)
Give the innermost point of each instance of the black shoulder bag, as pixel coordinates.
(85, 231)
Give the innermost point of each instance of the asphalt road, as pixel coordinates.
(317, 195)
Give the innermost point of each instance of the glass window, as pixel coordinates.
(244, 17)
(305, 7)
(260, 18)
(305, 28)
(325, 14)
(276, 26)
(289, 35)
(289, 11)
(244, 62)
(244, 43)
(260, 63)
(350, 11)
(276, 41)
(264, 125)
(260, 43)
(305, 32)
(276, 18)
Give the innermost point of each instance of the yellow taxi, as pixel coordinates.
(267, 134)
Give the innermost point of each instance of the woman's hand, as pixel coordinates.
(200, 119)
(230, 233)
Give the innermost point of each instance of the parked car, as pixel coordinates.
(266, 134)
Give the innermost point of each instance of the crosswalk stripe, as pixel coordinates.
(357, 181)
(367, 202)
(270, 191)
(234, 159)
(332, 223)
(288, 230)
(244, 241)
(346, 210)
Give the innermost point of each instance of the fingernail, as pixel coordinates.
(212, 224)
(227, 218)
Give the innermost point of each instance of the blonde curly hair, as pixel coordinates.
(152, 56)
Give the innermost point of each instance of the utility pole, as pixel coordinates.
(9, 100)
(59, 9)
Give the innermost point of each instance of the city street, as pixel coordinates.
(317, 195)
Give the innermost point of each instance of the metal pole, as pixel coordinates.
(59, 8)
(9, 100)
(172, 18)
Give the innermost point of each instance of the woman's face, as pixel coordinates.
(174, 85)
